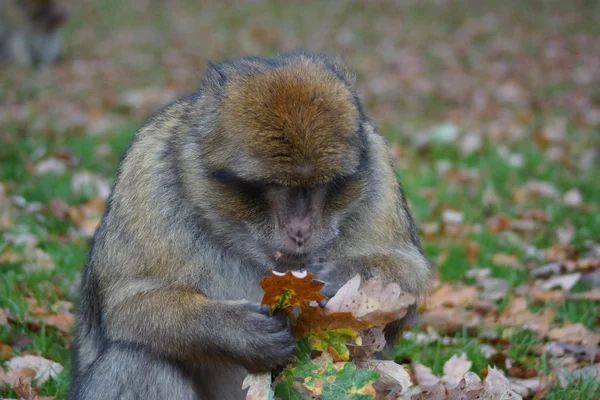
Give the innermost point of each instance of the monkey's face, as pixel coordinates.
(286, 149)
(294, 220)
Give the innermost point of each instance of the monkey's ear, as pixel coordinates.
(214, 78)
(339, 66)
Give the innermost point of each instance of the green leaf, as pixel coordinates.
(350, 383)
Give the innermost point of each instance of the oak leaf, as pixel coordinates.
(284, 290)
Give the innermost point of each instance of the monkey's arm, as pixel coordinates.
(408, 268)
(183, 325)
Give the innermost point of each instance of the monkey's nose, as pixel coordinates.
(300, 238)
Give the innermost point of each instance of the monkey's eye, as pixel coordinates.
(225, 177)
(231, 180)
(341, 183)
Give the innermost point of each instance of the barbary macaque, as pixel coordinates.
(271, 164)
(29, 31)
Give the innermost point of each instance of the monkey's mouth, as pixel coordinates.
(291, 258)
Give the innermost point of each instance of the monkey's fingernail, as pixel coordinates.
(277, 255)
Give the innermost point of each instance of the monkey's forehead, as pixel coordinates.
(298, 122)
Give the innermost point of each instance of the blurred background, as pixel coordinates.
(492, 110)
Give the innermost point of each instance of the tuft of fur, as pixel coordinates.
(298, 119)
(171, 283)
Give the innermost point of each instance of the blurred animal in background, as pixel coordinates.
(29, 31)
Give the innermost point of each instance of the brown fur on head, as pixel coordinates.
(296, 123)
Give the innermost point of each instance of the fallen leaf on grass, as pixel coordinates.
(516, 314)
(4, 317)
(506, 260)
(572, 198)
(447, 295)
(454, 370)
(574, 333)
(564, 282)
(89, 184)
(565, 375)
(50, 165)
(63, 321)
(493, 288)
(445, 320)
(424, 376)
(10, 257)
(37, 260)
(6, 352)
(469, 388)
(591, 295)
(436, 392)
(12, 377)
(543, 189)
(24, 390)
(497, 386)
(525, 387)
(393, 377)
(44, 369)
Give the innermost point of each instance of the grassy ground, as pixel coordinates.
(480, 100)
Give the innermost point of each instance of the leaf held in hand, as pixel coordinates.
(287, 289)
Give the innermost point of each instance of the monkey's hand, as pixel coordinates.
(334, 274)
(260, 342)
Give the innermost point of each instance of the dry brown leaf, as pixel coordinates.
(50, 165)
(454, 370)
(435, 392)
(4, 317)
(63, 321)
(564, 282)
(573, 198)
(393, 376)
(445, 320)
(44, 369)
(470, 387)
(574, 333)
(10, 257)
(371, 340)
(507, 260)
(493, 288)
(37, 260)
(496, 386)
(525, 387)
(516, 314)
(543, 189)
(447, 295)
(12, 377)
(472, 251)
(370, 301)
(498, 223)
(591, 295)
(25, 391)
(6, 352)
(92, 185)
(545, 296)
(424, 376)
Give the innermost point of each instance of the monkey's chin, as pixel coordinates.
(292, 258)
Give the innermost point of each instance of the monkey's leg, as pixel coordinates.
(128, 373)
(220, 381)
